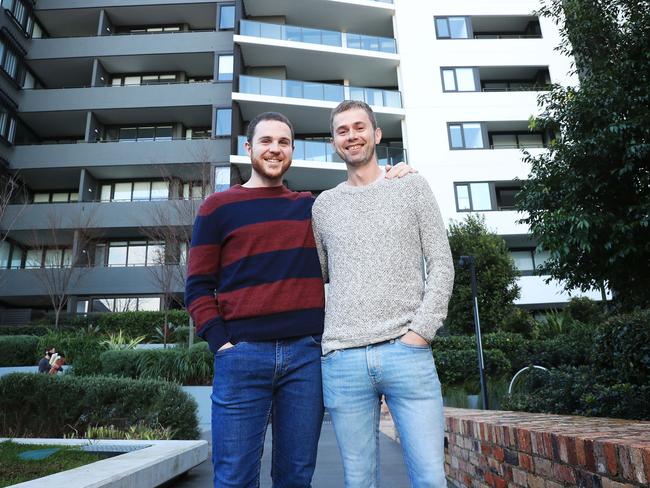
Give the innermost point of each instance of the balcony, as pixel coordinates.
(317, 36)
(488, 27)
(318, 91)
(308, 104)
(315, 54)
(124, 97)
(116, 216)
(143, 159)
(495, 135)
(372, 17)
(496, 78)
(85, 281)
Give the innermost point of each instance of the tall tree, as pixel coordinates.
(588, 198)
(496, 276)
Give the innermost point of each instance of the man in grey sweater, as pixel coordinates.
(384, 251)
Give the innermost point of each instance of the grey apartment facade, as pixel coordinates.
(117, 117)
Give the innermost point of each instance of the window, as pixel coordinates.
(155, 29)
(221, 178)
(125, 304)
(529, 260)
(505, 196)
(46, 258)
(453, 27)
(139, 134)
(22, 16)
(5, 252)
(129, 191)
(223, 121)
(485, 195)
(500, 140)
(226, 17)
(193, 191)
(149, 79)
(225, 62)
(130, 253)
(460, 79)
(56, 197)
(468, 135)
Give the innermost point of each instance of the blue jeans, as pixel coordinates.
(354, 381)
(255, 382)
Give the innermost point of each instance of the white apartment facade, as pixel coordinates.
(461, 85)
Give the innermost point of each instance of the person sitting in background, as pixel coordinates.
(44, 364)
(58, 364)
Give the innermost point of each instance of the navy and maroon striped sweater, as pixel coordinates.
(253, 270)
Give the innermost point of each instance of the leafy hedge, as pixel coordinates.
(610, 377)
(34, 405)
(186, 366)
(20, 350)
(12, 330)
(457, 367)
(582, 391)
(131, 323)
(81, 349)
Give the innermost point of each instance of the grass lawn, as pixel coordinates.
(15, 470)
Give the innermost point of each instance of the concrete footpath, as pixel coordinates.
(329, 471)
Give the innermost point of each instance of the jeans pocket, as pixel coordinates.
(417, 347)
(330, 355)
(316, 339)
(226, 351)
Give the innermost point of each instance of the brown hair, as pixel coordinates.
(252, 125)
(346, 105)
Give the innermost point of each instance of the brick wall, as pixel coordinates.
(517, 449)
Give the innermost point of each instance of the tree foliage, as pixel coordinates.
(588, 197)
(496, 276)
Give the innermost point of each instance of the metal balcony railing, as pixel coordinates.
(318, 91)
(316, 36)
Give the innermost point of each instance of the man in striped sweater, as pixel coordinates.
(255, 291)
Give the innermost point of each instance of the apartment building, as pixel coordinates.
(119, 116)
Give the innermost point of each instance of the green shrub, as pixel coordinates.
(132, 323)
(459, 367)
(623, 343)
(561, 351)
(36, 330)
(81, 349)
(519, 321)
(585, 310)
(193, 366)
(120, 362)
(51, 406)
(582, 391)
(20, 350)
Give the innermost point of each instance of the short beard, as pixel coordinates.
(359, 163)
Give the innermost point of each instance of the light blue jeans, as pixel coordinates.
(354, 381)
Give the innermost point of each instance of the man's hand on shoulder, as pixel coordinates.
(399, 170)
(413, 338)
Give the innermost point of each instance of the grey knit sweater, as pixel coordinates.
(372, 242)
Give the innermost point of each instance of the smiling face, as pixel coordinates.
(271, 150)
(354, 139)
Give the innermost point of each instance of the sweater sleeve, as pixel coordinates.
(320, 244)
(202, 281)
(439, 266)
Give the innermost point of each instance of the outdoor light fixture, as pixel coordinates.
(464, 262)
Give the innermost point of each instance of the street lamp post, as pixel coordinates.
(464, 262)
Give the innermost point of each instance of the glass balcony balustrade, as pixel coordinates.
(323, 152)
(318, 91)
(316, 36)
